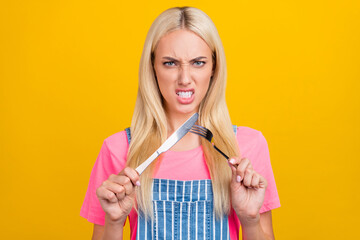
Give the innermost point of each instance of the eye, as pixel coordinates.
(169, 63)
(199, 63)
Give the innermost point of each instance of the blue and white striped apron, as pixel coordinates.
(182, 210)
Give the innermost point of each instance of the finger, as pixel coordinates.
(123, 181)
(233, 163)
(116, 188)
(241, 168)
(128, 185)
(248, 177)
(105, 194)
(120, 195)
(262, 182)
(132, 174)
(255, 180)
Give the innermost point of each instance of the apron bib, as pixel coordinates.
(182, 210)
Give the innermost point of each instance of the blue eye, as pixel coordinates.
(199, 63)
(170, 63)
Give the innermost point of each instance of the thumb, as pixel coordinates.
(234, 176)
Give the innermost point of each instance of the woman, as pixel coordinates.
(191, 191)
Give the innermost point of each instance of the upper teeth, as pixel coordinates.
(185, 94)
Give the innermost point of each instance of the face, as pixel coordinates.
(183, 66)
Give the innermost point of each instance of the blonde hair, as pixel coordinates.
(149, 123)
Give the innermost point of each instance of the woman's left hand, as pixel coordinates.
(247, 191)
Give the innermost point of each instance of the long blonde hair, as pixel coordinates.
(149, 123)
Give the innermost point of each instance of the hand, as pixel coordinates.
(117, 194)
(247, 190)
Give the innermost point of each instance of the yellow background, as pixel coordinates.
(68, 72)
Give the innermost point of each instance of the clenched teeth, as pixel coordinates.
(185, 94)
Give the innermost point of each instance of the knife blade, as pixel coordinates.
(171, 141)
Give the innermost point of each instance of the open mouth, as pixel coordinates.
(185, 93)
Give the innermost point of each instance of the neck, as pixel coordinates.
(190, 140)
(176, 120)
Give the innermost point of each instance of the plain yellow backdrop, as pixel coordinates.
(68, 80)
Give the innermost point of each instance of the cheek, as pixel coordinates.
(203, 78)
(165, 86)
(204, 72)
(204, 83)
(166, 76)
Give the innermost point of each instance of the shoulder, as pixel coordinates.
(117, 144)
(251, 141)
(116, 138)
(247, 134)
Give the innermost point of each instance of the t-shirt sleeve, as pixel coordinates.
(259, 156)
(108, 162)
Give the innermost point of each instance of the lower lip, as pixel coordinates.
(186, 100)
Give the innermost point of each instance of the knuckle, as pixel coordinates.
(111, 196)
(127, 169)
(240, 167)
(247, 162)
(105, 183)
(112, 176)
(240, 172)
(98, 191)
(126, 180)
(121, 189)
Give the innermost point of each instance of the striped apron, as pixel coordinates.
(182, 210)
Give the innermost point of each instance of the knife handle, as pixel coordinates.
(141, 168)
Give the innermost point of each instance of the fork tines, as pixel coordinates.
(202, 131)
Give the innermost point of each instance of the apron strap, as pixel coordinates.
(235, 129)
(128, 134)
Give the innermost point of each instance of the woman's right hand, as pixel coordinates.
(117, 194)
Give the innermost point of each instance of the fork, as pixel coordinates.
(207, 134)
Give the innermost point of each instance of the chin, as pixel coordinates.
(188, 110)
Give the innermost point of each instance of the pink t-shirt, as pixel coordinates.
(186, 165)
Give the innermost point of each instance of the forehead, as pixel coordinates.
(182, 44)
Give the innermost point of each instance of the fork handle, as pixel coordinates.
(221, 152)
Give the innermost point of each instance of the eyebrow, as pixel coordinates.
(175, 60)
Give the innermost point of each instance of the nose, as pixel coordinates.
(184, 75)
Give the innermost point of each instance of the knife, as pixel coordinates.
(171, 141)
